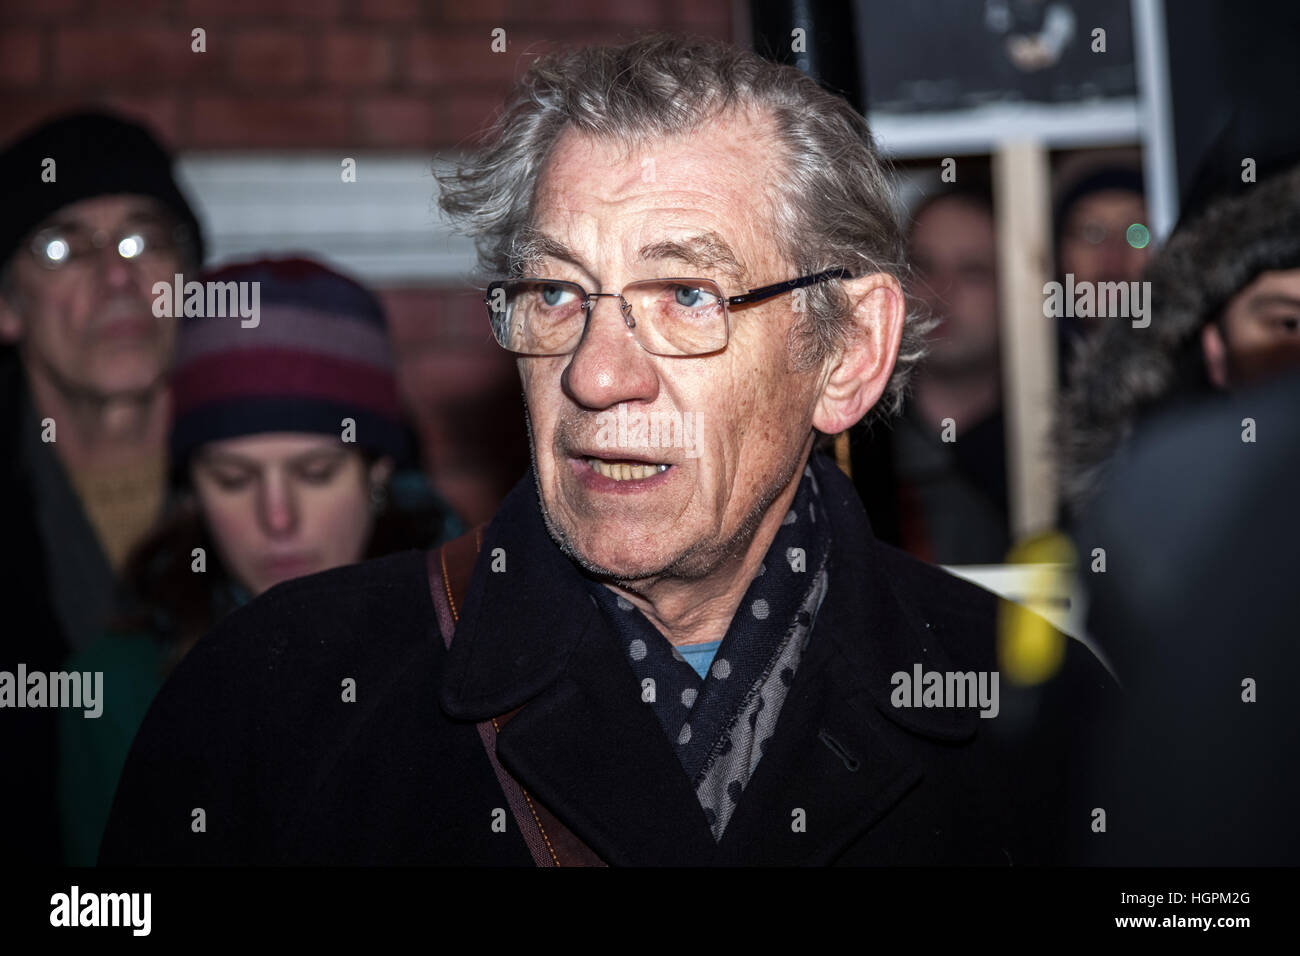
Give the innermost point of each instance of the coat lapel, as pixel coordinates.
(595, 755)
(842, 753)
(584, 743)
(829, 775)
(592, 752)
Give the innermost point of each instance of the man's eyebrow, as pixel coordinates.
(146, 215)
(535, 245)
(707, 252)
(1267, 300)
(63, 224)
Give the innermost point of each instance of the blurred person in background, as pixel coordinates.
(1093, 216)
(1193, 763)
(1186, 431)
(272, 488)
(92, 219)
(1225, 313)
(946, 454)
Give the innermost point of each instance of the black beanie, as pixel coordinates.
(1125, 178)
(95, 154)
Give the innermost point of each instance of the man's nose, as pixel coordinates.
(609, 366)
(1115, 257)
(114, 271)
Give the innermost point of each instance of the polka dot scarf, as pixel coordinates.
(720, 725)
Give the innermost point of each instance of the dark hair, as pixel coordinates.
(978, 193)
(1120, 177)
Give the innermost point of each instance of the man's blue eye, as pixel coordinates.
(553, 294)
(689, 297)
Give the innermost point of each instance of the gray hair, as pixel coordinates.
(834, 207)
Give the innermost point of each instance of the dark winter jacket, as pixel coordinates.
(252, 754)
(56, 587)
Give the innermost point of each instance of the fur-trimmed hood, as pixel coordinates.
(1123, 373)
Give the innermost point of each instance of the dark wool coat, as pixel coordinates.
(253, 728)
(56, 588)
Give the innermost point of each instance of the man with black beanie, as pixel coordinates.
(92, 219)
(1092, 221)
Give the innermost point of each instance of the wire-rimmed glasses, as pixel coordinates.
(673, 316)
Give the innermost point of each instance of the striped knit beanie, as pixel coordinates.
(316, 355)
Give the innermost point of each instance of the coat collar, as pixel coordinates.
(520, 623)
(843, 756)
(878, 623)
(595, 755)
(584, 744)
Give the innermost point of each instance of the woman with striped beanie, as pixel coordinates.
(287, 452)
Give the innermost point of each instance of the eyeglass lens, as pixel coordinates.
(58, 248)
(671, 316)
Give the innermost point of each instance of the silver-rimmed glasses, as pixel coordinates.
(676, 316)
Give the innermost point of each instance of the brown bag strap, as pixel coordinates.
(457, 558)
(550, 842)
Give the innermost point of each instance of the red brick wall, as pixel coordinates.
(352, 75)
(463, 395)
(356, 74)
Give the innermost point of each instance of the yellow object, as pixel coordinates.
(1031, 650)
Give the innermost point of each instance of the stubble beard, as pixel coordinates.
(696, 561)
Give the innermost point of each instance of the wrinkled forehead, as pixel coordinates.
(106, 212)
(1105, 205)
(713, 188)
(953, 229)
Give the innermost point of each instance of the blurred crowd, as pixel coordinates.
(144, 444)
(163, 466)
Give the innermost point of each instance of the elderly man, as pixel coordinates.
(676, 645)
(92, 219)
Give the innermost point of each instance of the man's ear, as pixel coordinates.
(11, 326)
(381, 471)
(859, 377)
(1215, 351)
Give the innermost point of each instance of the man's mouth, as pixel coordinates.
(127, 326)
(625, 470)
